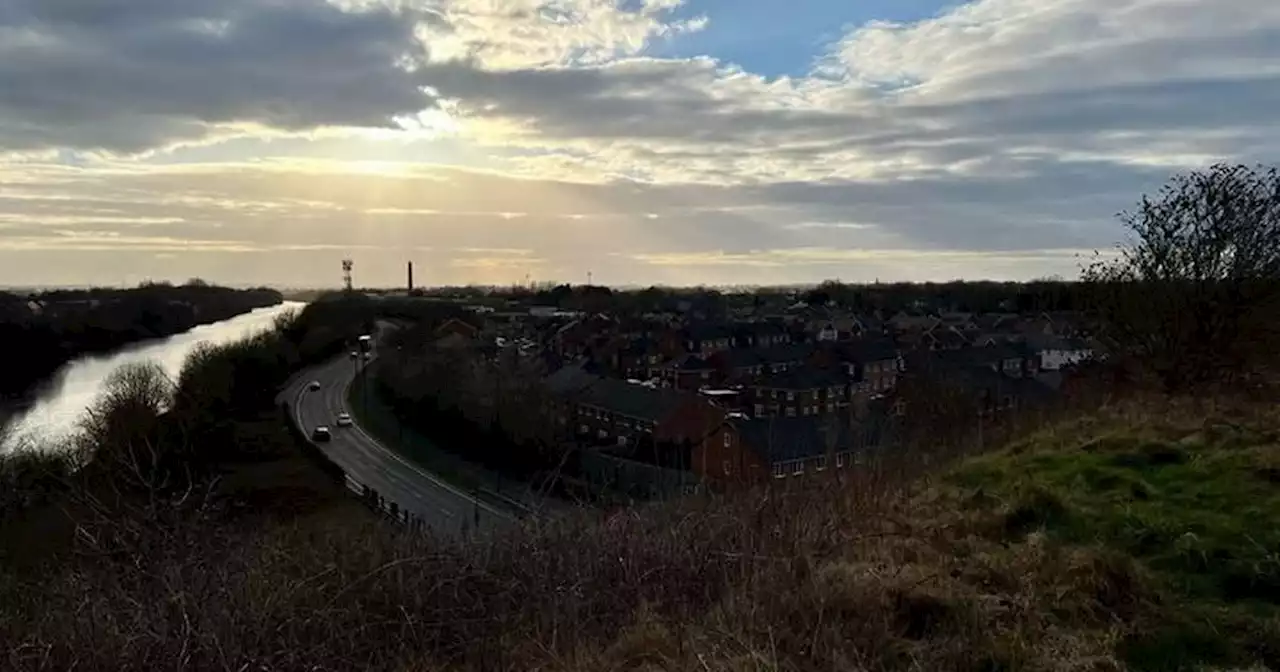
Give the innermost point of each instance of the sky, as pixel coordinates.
(639, 141)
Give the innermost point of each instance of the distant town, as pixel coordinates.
(657, 392)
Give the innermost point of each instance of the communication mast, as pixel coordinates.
(347, 265)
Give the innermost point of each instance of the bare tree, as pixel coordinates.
(120, 433)
(1192, 296)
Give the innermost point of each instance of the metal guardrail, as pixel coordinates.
(370, 497)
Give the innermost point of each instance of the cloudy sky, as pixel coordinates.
(644, 141)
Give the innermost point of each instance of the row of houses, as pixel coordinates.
(746, 401)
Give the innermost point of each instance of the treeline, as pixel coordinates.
(492, 411)
(885, 298)
(43, 331)
(149, 436)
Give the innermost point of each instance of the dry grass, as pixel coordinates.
(843, 575)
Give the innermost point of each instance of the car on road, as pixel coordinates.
(368, 356)
(355, 355)
(344, 420)
(313, 385)
(321, 434)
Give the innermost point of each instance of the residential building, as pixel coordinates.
(791, 448)
(799, 392)
(1051, 353)
(760, 334)
(707, 338)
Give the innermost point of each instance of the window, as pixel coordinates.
(779, 470)
(797, 468)
(822, 463)
(728, 440)
(839, 460)
(727, 466)
(706, 375)
(759, 410)
(791, 396)
(791, 411)
(582, 429)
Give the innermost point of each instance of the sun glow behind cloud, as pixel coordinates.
(995, 139)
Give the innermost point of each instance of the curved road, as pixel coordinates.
(442, 507)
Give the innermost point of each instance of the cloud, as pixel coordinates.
(132, 75)
(996, 138)
(828, 256)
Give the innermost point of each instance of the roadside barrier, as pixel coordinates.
(371, 498)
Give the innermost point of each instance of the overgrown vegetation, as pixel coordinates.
(1192, 300)
(187, 534)
(1190, 494)
(1127, 539)
(50, 328)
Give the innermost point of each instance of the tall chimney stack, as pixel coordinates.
(411, 276)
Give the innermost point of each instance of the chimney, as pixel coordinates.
(411, 276)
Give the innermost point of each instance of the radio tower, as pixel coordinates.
(347, 264)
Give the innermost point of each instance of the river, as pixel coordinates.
(59, 404)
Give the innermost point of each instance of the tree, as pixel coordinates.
(120, 432)
(1192, 297)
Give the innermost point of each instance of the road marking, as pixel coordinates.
(422, 472)
(378, 449)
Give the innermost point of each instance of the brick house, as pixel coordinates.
(1008, 359)
(944, 337)
(799, 392)
(640, 357)
(737, 364)
(769, 449)
(690, 372)
(779, 358)
(662, 427)
(707, 338)
(873, 364)
(760, 334)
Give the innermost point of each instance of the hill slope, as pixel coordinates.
(1140, 538)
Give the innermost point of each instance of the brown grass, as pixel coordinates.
(845, 574)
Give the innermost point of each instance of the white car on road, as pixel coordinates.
(313, 385)
(344, 420)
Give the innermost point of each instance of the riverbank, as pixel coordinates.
(54, 327)
(53, 408)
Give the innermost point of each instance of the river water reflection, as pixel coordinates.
(60, 403)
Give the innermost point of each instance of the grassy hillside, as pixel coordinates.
(1139, 538)
(1192, 498)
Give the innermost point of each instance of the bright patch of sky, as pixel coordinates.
(777, 38)
(645, 141)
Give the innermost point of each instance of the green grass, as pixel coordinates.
(1197, 504)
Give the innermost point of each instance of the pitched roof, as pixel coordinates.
(983, 356)
(705, 331)
(692, 362)
(761, 328)
(785, 353)
(804, 378)
(739, 358)
(569, 379)
(948, 337)
(867, 350)
(637, 401)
